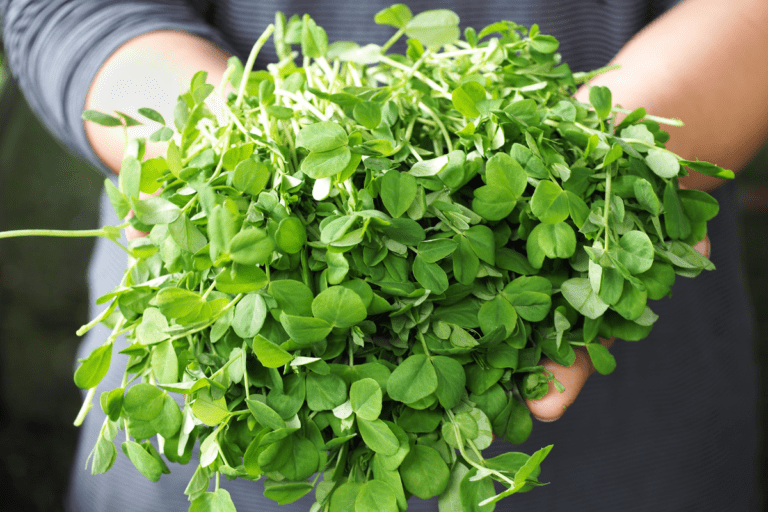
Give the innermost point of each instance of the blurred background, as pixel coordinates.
(44, 299)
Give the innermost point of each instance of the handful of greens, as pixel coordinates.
(355, 273)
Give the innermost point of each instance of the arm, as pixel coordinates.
(149, 70)
(55, 48)
(703, 62)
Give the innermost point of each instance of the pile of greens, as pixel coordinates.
(352, 275)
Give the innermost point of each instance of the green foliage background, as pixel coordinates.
(43, 300)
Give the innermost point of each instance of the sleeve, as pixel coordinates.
(54, 48)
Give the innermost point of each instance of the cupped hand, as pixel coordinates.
(554, 404)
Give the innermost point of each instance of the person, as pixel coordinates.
(674, 428)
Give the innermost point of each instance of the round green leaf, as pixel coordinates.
(143, 401)
(377, 436)
(251, 246)
(322, 136)
(365, 396)
(250, 314)
(339, 306)
(291, 235)
(412, 380)
(376, 496)
(637, 252)
(327, 163)
(549, 203)
(424, 472)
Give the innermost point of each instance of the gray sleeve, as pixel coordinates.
(54, 49)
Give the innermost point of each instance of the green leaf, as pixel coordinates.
(326, 163)
(434, 28)
(104, 454)
(662, 163)
(430, 275)
(550, 240)
(94, 368)
(365, 396)
(544, 44)
(218, 501)
(100, 118)
(433, 251)
(482, 242)
(250, 176)
(293, 297)
(376, 496)
(305, 330)
(155, 210)
(451, 381)
(637, 252)
(186, 234)
(152, 115)
(322, 136)
(675, 221)
(250, 314)
(269, 354)
(424, 472)
(143, 401)
(464, 103)
(147, 465)
(291, 235)
(600, 98)
(495, 313)
(165, 363)
(396, 16)
(325, 392)
(514, 422)
(377, 436)
(339, 306)
(314, 41)
(251, 246)
(177, 302)
(414, 379)
(603, 361)
(647, 197)
(264, 414)
(398, 190)
(241, 279)
(209, 410)
(367, 114)
(709, 169)
(285, 492)
(698, 205)
(579, 294)
(465, 262)
(549, 203)
(117, 199)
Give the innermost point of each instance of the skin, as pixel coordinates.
(701, 62)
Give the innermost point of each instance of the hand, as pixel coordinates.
(553, 405)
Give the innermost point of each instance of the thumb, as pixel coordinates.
(552, 406)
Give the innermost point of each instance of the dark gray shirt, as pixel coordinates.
(674, 428)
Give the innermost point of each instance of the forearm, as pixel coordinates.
(702, 62)
(150, 70)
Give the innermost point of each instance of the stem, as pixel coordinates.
(74, 233)
(87, 404)
(434, 85)
(607, 204)
(393, 40)
(251, 61)
(583, 77)
(663, 120)
(423, 343)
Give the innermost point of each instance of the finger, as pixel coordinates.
(552, 406)
(704, 247)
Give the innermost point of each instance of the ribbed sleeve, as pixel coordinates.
(55, 47)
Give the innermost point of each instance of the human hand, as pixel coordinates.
(554, 404)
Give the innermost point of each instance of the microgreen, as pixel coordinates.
(355, 274)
